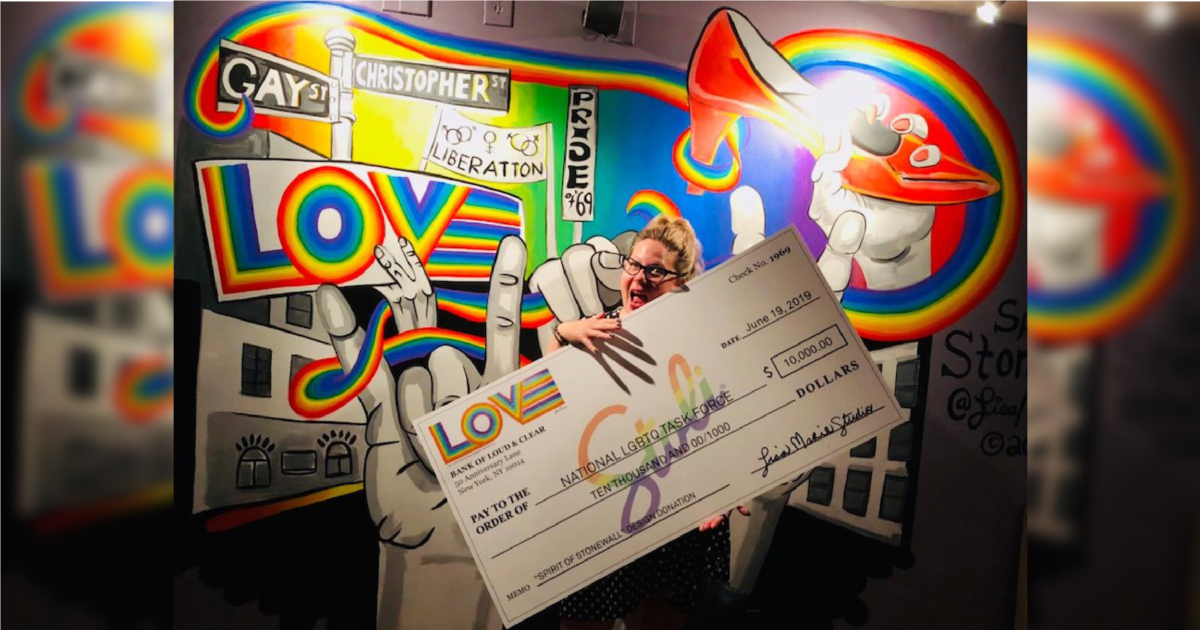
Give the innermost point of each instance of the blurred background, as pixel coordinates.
(87, 226)
(1113, 433)
(88, 264)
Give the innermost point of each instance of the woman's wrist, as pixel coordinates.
(559, 336)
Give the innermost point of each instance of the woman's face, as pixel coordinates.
(637, 290)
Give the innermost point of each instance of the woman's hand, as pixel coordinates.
(715, 521)
(583, 331)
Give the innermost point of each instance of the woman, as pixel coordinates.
(665, 255)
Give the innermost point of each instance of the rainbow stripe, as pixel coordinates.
(136, 202)
(467, 247)
(535, 311)
(145, 390)
(651, 203)
(137, 252)
(321, 387)
(714, 177)
(422, 221)
(1164, 226)
(235, 125)
(992, 225)
(471, 430)
(472, 306)
(236, 517)
(656, 80)
(67, 265)
(469, 305)
(242, 266)
(36, 115)
(118, 33)
(340, 258)
(539, 395)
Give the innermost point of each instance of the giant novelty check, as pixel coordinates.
(580, 463)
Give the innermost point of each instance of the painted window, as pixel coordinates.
(81, 372)
(338, 460)
(908, 377)
(300, 310)
(820, 485)
(256, 371)
(298, 362)
(298, 462)
(126, 312)
(866, 449)
(858, 492)
(895, 496)
(254, 469)
(900, 443)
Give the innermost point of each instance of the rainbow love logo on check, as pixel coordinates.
(526, 401)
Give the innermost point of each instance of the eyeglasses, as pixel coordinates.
(654, 273)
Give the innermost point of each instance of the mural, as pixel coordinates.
(393, 217)
(1110, 203)
(1111, 219)
(87, 210)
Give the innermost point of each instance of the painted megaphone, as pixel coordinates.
(735, 72)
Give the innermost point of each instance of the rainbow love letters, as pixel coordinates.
(281, 226)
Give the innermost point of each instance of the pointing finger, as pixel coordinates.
(414, 397)
(550, 280)
(608, 273)
(504, 310)
(577, 263)
(421, 278)
(624, 241)
(453, 375)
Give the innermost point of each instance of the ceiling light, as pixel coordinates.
(1161, 15)
(988, 11)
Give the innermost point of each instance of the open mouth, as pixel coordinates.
(936, 179)
(948, 183)
(637, 299)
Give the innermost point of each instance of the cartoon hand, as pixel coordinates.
(450, 374)
(412, 299)
(747, 218)
(838, 211)
(585, 281)
(403, 496)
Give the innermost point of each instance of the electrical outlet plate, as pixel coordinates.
(422, 8)
(498, 13)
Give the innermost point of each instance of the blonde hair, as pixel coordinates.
(676, 235)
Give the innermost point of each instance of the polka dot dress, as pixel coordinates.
(679, 569)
